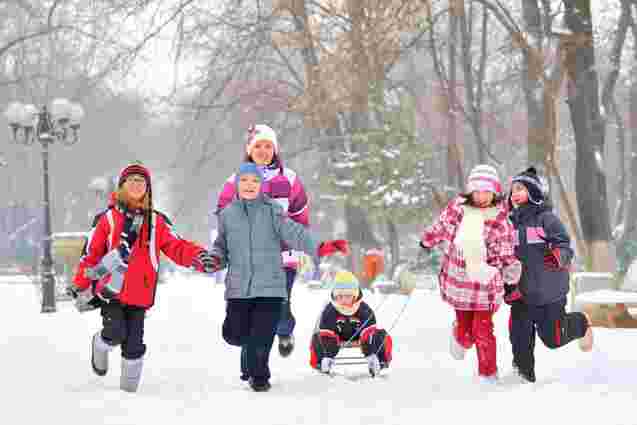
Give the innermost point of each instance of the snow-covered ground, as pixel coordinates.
(192, 376)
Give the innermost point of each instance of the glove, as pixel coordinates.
(512, 294)
(205, 262)
(84, 300)
(425, 248)
(328, 248)
(552, 259)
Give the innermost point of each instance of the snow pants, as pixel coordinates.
(251, 324)
(554, 326)
(476, 327)
(124, 325)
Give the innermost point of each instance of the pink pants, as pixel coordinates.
(476, 327)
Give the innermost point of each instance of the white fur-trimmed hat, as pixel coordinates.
(261, 132)
(484, 177)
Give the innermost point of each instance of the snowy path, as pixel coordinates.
(192, 375)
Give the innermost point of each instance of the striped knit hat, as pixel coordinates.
(484, 178)
(134, 168)
(345, 283)
(261, 132)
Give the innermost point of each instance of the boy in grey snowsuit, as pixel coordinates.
(250, 232)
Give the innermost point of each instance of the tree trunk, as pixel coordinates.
(394, 246)
(583, 101)
(454, 153)
(533, 68)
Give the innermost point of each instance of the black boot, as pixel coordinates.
(527, 375)
(259, 385)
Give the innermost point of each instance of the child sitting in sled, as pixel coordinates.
(348, 321)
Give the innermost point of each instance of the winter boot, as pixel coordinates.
(586, 342)
(260, 385)
(456, 350)
(526, 375)
(326, 365)
(286, 345)
(373, 364)
(131, 374)
(99, 354)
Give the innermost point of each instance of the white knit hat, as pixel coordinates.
(484, 177)
(261, 132)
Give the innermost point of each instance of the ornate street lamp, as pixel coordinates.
(59, 123)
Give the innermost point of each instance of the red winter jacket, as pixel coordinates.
(140, 281)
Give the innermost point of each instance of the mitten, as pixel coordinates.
(552, 259)
(328, 248)
(512, 294)
(205, 262)
(425, 248)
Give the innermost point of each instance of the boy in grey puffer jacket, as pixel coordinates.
(250, 232)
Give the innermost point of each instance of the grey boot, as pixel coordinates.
(99, 354)
(131, 374)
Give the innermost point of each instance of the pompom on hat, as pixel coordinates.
(261, 132)
(484, 178)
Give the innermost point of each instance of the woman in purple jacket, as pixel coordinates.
(283, 186)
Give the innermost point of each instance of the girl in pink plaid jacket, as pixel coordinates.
(478, 261)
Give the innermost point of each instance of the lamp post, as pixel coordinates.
(61, 123)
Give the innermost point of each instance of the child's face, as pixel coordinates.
(344, 299)
(482, 198)
(249, 186)
(135, 186)
(519, 194)
(262, 152)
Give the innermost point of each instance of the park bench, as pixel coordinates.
(597, 295)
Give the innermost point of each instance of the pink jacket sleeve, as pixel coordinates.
(443, 228)
(299, 209)
(227, 194)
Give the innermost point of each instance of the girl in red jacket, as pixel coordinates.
(119, 268)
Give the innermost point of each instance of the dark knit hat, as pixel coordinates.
(532, 183)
